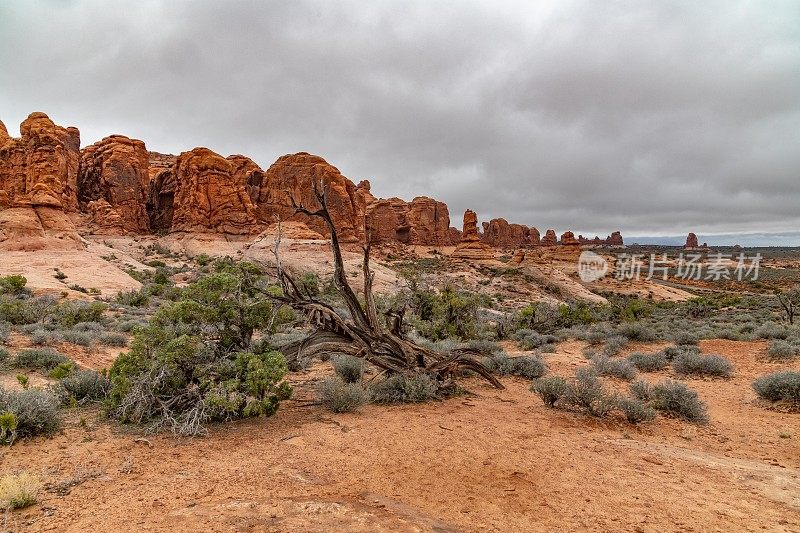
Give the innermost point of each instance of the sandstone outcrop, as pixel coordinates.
(615, 239)
(423, 221)
(498, 232)
(568, 239)
(691, 241)
(549, 238)
(293, 177)
(207, 197)
(471, 246)
(534, 237)
(40, 168)
(112, 183)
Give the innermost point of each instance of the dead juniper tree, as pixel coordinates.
(362, 334)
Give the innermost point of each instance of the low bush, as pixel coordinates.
(133, 298)
(404, 389)
(637, 331)
(18, 491)
(672, 352)
(648, 362)
(5, 332)
(62, 370)
(72, 312)
(780, 386)
(81, 338)
(550, 389)
(530, 340)
(82, 386)
(641, 390)
(126, 326)
(341, 397)
(586, 393)
(348, 367)
(675, 399)
(35, 412)
(618, 368)
(13, 284)
(614, 345)
(771, 330)
(682, 338)
(42, 337)
(39, 359)
(693, 364)
(529, 367)
(635, 410)
(114, 339)
(89, 326)
(780, 350)
(3, 355)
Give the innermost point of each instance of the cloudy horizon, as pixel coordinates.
(653, 118)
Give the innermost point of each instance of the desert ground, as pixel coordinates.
(482, 460)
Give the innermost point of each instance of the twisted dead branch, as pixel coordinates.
(362, 334)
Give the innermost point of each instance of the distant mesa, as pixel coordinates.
(50, 187)
(691, 243)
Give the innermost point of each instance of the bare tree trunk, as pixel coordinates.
(364, 336)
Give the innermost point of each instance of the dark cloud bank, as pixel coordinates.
(656, 118)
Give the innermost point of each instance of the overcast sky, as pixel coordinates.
(649, 117)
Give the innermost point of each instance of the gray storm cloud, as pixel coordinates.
(652, 118)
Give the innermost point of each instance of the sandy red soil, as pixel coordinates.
(491, 461)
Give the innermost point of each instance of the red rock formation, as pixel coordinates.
(498, 232)
(568, 239)
(294, 176)
(533, 236)
(41, 167)
(112, 183)
(549, 238)
(207, 196)
(424, 221)
(615, 239)
(471, 246)
(453, 236)
(158, 163)
(691, 241)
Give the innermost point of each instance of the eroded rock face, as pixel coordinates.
(549, 238)
(41, 167)
(207, 196)
(498, 232)
(294, 176)
(615, 239)
(534, 237)
(568, 239)
(471, 246)
(423, 221)
(112, 183)
(691, 241)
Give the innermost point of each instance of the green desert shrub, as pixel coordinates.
(780, 386)
(693, 364)
(35, 411)
(13, 284)
(637, 331)
(618, 368)
(586, 393)
(62, 370)
(772, 330)
(780, 350)
(641, 390)
(673, 352)
(133, 298)
(529, 367)
(82, 386)
(404, 389)
(635, 410)
(113, 339)
(531, 340)
(648, 362)
(675, 399)
(81, 338)
(5, 332)
(128, 325)
(348, 367)
(682, 338)
(340, 396)
(45, 359)
(3, 355)
(42, 337)
(195, 362)
(92, 327)
(551, 389)
(72, 312)
(614, 345)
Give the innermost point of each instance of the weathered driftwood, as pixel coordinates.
(362, 334)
